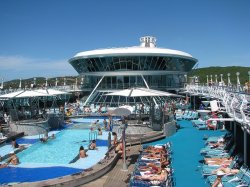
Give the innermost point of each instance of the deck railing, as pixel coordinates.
(235, 101)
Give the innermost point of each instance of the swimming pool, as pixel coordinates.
(43, 161)
(60, 150)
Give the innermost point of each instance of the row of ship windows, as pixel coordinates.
(154, 63)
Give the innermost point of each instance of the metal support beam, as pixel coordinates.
(93, 91)
(245, 147)
(235, 132)
(147, 87)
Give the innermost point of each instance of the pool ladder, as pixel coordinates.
(92, 135)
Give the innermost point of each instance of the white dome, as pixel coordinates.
(132, 51)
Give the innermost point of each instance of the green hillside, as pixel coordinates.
(203, 72)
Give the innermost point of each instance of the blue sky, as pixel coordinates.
(38, 37)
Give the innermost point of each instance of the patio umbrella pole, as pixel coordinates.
(124, 166)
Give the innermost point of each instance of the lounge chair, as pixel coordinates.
(229, 178)
(207, 169)
(2, 137)
(242, 182)
(221, 154)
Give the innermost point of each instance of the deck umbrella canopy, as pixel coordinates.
(141, 92)
(31, 93)
(23, 94)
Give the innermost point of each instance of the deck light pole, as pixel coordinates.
(207, 80)
(216, 81)
(238, 81)
(56, 82)
(34, 81)
(64, 81)
(221, 79)
(20, 83)
(1, 87)
(228, 80)
(211, 79)
(123, 127)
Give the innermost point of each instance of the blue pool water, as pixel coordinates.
(60, 150)
(43, 161)
(16, 175)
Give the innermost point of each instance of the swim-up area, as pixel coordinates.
(186, 145)
(55, 158)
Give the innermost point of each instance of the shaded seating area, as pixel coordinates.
(153, 167)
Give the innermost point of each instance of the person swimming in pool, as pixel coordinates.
(14, 160)
(15, 145)
(92, 146)
(82, 152)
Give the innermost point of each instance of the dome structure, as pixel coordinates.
(137, 66)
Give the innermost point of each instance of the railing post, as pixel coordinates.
(20, 83)
(238, 81)
(228, 80)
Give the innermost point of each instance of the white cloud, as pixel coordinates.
(13, 67)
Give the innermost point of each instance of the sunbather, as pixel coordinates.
(153, 169)
(226, 171)
(161, 177)
(217, 182)
(218, 161)
(156, 150)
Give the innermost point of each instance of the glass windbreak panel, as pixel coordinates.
(136, 63)
(126, 82)
(132, 81)
(130, 63)
(113, 82)
(169, 80)
(120, 82)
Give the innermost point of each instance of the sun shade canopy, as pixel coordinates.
(141, 92)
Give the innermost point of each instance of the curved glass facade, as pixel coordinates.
(123, 72)
(134, 63)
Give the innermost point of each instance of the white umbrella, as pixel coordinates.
(121, 112)
(51, 92)
(140, 92)
(23, 94)
(130, 108)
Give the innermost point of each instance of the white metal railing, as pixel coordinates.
(236, 102)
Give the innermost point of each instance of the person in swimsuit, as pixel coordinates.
(14, 160)
(82, 153)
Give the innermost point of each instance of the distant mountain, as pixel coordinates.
(200, 72)
(203, 72)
